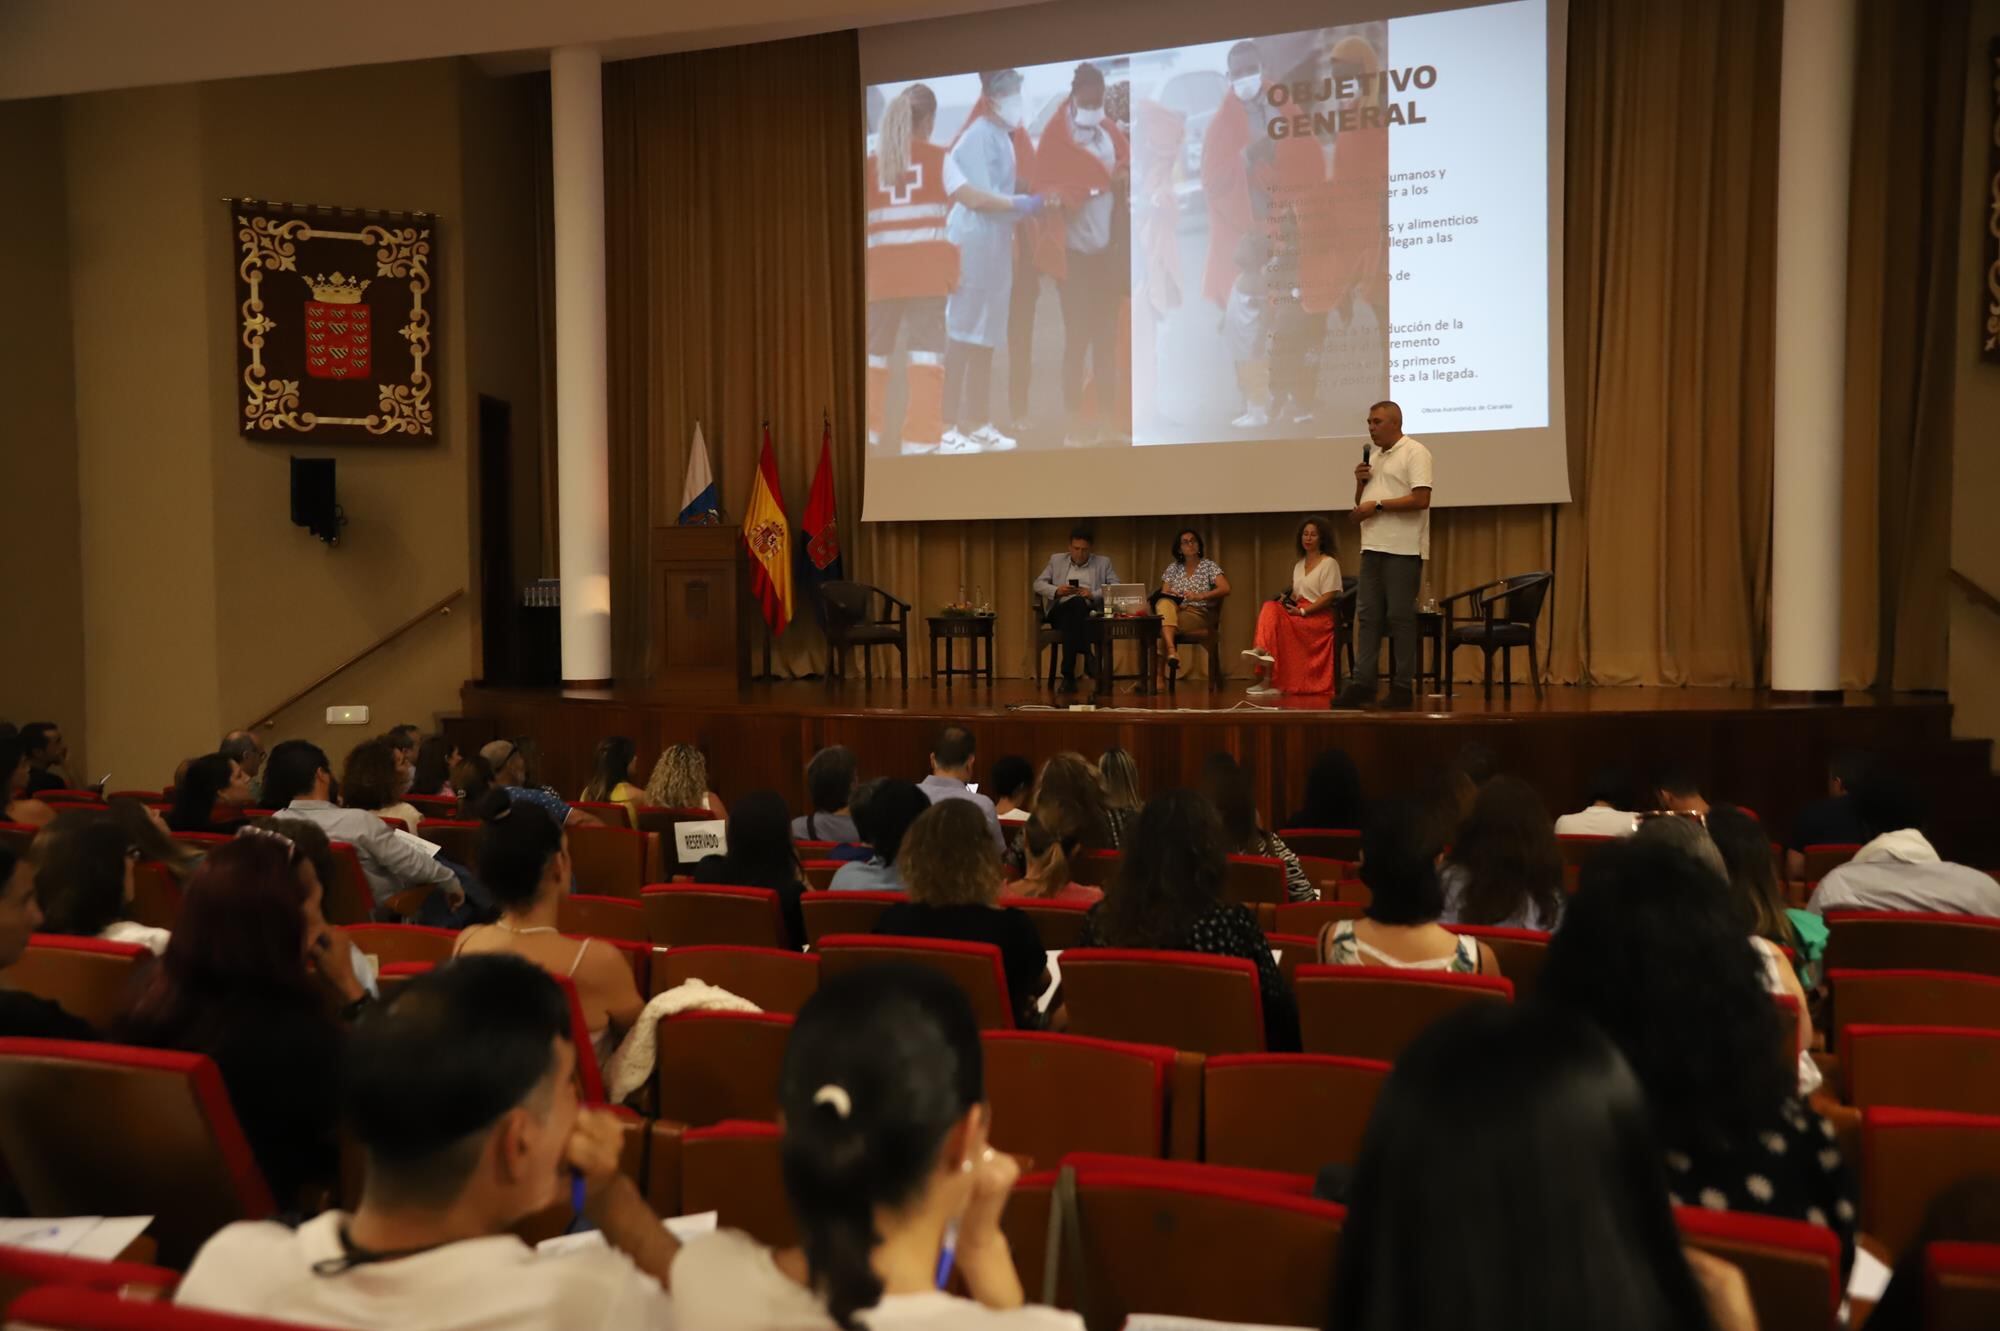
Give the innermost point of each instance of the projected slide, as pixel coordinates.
(1213, 253)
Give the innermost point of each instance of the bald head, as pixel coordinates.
(246, 749)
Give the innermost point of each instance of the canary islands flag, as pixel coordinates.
(770, 542)
(699, 505)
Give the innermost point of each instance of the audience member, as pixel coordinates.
(1011, 783)
(952, 874)
(1651, 950)
(1119, 775)
(1333, 795)
(23, 1013)
(19, 808)
(1046, 873)
(1897, 869)
(1446, 801)
(1069, 797)
(1678, 791)
(1685, 833)
(613, 771)
(47, 753)
(403, 739)
(1504, 868)
(251, 979)
(1835, 820)
(1760, 901)
(885, 1154)
(952, 757)
(1608, 807)
(1227, 787)
(461, 1096)
(369, 781)
(83, 875)
(508, 760)
(883, 812)
(471, 778)
(1477, 763)
(298, 774)
(1399, 863)
(1546, 1210)
(247, 751)
(524, 862)
(761, 854)
(147, 833)
(210, 796)
(436, 759)
(830, 778)
(1169, 896)
(680, 781)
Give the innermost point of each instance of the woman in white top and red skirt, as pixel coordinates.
(1295, 632)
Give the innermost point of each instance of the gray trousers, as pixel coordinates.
(1388, 589)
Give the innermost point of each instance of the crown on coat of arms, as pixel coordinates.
(337, 290)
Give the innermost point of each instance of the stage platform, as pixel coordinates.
(1750, 747)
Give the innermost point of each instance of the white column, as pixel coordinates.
(582, 453)
(1815, 131)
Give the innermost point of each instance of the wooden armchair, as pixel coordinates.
(1509, 614)
(852, 621)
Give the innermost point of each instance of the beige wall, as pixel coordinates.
(41, 651)
(1975, 536)
(199, 603)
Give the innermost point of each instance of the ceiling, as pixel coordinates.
(52, 47)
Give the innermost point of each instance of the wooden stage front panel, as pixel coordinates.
(1747, 746)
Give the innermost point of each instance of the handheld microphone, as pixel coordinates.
(1364, 455)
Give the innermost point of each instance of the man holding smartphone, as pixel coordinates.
(1392, 503)
(1069, 589)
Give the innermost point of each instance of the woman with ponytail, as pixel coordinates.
(1048, 857)
(890, 1178)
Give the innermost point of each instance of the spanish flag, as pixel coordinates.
(769, 539)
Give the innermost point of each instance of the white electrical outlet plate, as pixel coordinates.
(347, 716)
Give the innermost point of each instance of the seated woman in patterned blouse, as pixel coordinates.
(1190, 595)
(1169, 897)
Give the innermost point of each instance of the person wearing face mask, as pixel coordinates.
(1225, 169)
(1084, 161)
(911, 267)
(980, 176)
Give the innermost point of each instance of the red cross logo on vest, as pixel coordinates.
(906, 189)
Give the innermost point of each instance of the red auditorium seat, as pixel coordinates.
(458, 841)
(1255, 880)
(1060, 923)
(613, 861)
(92, 978)
(1294, 951)
(718, 1066)
(844, 912)
(90, 1129)
(17, 837)
(591, 916)
(1334, 843)
(662, 821)
(348, 898)
(1094, 868)
(818, 874)
(1307, 918)
(678, 914)
(1823, 859)
(974, 967)
(433, 806)
(1911, 998)
(1962, 1287)
(775, 979)
(1921, 1067)
(1576, 849)
(1197, 1241)
(732, 1169)
(1183, 1000)
(23, 1269)
(1520, 953)
(1291, 1112)
(1057, 1094)
(403, 942)
(156, 895)
(1374, 1011)
(609, 812)
(1908, 1157)
(1792, 1268)
(56, 1308)
(1892, 939)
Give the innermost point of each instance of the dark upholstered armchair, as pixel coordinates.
(852, 621)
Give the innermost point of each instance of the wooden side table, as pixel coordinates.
(1143, 630)
(949, 630)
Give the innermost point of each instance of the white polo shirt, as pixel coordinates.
(1395, 471)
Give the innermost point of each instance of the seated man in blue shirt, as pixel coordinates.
(510, 772)
(1070, 588)
(951, 773)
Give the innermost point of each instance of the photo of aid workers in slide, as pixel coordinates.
(1119, 250)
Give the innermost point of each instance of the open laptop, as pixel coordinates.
(1126, 598)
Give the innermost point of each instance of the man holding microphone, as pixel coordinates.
(1392, 501)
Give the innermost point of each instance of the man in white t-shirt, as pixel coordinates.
(1392, 506)
(462, 1097)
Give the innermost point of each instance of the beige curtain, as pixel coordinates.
(736, 296)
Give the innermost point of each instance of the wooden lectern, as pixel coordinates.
(697, 587)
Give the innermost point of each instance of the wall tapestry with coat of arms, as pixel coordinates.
(334, 311)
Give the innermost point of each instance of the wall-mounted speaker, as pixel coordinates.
(313, 505)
